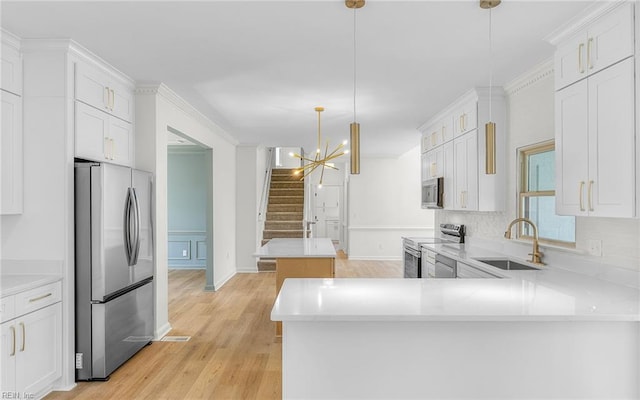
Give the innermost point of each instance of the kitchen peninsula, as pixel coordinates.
(541, 334)
(299, 258)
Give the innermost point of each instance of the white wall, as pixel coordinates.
(530, 104)
(384, 204)
(157, 108)
(251, 164)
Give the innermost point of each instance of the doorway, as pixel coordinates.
(327, 212)
(189, 205)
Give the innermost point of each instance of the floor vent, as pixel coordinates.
(175, 339)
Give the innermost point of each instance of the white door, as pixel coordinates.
(571, 61)
(449, 190)
(326, 209)
(92, 125)
(572, 150)
(11, 182)
(611, 185)
(465, 149)
(610, 39)
(121, 137)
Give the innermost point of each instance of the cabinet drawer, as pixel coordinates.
(7, 308)
(38, 298)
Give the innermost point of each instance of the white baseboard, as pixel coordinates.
(221, 282)
(65, 388)
(162, 331)
(247, 270)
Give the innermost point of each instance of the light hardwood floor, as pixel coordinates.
(232, 354)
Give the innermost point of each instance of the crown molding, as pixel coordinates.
(583, 19)
(9, 38)
(160, 89)
(537, 73)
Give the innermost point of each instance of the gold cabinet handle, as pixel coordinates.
(106, 148)
(580, 66)
(106, 98)
(13, 341)
(434, 168)
(434, 139)
(24, 336)
(443, 133)
(460, 124)
(589, 63)
(580, 191)
(590, 195)
(113, 99)
(44, 296)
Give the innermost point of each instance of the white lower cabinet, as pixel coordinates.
(595, 144)
(102, 137)
(31, 352)
(465, 154)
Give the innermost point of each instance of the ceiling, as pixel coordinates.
(258, 68)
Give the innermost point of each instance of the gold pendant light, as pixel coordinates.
(319, 161)
(490, 127)
(354, 127)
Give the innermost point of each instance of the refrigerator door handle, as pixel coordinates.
(128, 247)
(136, 225)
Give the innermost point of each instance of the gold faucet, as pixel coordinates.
(536, 255)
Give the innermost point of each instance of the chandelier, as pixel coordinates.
(319, 161)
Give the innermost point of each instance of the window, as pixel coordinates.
(537, 199)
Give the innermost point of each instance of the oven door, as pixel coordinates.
(412, 267)
(445, 267)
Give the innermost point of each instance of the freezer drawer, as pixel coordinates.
(119, 329)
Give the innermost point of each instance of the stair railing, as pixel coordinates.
(262, 210)
(307, 214)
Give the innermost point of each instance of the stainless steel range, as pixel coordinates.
(414, 258)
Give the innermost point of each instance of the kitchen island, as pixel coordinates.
(537, 334)
(299, 258)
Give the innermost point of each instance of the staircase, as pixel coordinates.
(284, 211)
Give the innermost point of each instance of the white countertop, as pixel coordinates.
(298, 248)
(550, 294)
(11, 284)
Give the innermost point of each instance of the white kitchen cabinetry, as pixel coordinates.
(465, 119)
(11, 179)
(31, 351)
(102, 137)
(11, 80)
(433, 164)
(465, 155)
(595, 144)
(100, 90)
(12, 154)
(605, 41)
(459, 155)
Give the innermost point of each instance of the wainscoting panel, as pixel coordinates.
(187, 250)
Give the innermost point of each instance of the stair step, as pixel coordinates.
(266, 265)
(282, 225)
(286, 184)
(286, 200)
(292, 208)
(294, 233)
(283, 177)
(276, 192)
(284, 216)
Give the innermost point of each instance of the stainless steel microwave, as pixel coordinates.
(432, 193)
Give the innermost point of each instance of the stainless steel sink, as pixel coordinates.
(506, 264)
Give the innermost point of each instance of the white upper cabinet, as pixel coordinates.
(454, 147)
(101, 90)
(605, 41)
(595, 120)
(11, 143)
(102, 137)
(11, 80)
(12, 156)
(465, 119)
(595, 145)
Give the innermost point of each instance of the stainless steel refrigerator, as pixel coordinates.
(114, 266)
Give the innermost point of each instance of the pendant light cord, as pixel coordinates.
(490, 66)
(354, 65)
